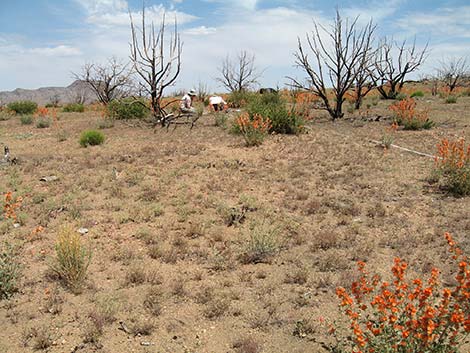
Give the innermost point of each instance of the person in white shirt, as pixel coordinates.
(217, 103)
(186, 104)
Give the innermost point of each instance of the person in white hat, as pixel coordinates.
(186, 104)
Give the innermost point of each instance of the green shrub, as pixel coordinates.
(91, 138)
(73, 108)
(451, 99)
(43, 122)
(4, 115)
(72, 259)
(400, 96)
(220, 119)
(239, 99)
(23, 107)
(26, 119)
(271, 105)
(417, 94)
(128, 108)
(9, 272)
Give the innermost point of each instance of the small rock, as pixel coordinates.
(83, 231)
(145, 343)
(16, 225)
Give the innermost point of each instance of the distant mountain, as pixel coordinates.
(45, 95)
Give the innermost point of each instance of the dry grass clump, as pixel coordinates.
(261, 245)
(247, 345)
(72, 259)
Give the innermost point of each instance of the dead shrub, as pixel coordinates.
(246, 345)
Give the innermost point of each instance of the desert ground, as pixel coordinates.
(170, 214)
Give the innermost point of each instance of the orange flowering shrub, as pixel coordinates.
(10, 206)
(409, 316)
(453, 163)
(253, 130)
(406, 114)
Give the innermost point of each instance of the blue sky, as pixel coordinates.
(43, 41)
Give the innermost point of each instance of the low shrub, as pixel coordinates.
(400, 96)
(128, 108)
(417, 94)
(262, 244)
(411, 119)
(73, 108)
(23, 107)
(91, 138)
(253, 130)
(5, 115)
(9, 271)
(72, 259)
(220, 119)
(239, 99)
(43, 122)
(451, 100)
(26, 119)
(453, 166)
(407, 316)
(272, 106)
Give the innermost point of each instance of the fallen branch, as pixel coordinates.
(405, 149)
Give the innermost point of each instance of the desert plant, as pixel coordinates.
(43, 122)
(91, 138)
(220, 119)
(26, 119)
(417, 94)
(23, 107)
(452, 163)
(239, 99)
(72, 259)
(408, 316)
(262, 244)
(128, 108)
(5, 115)
(451, 99)
(407, 115)
(74, 108)
(9, 271)
(253, 130)
(273, 107)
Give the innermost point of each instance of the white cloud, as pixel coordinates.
(200, 31)
(152, 14)
(60, 50)
(246, 4)
(103, 6)
(448, 22)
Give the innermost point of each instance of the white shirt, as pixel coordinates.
(216, 100)
(186, 101)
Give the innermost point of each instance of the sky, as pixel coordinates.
(43, 41)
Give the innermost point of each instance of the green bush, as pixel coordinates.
(9, 272)
(451, 100)
(74, 108)
(43, 122)
(417, 94)
(220, 119)
(128, 108)
(239, 99)
(23, 107)
(262, 244)
(26, 119)
(4, 115)
(91, 138)
(400, 96)
(271, 105)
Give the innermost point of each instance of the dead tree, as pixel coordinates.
(364, 73)
(452, 72)
(108, 82)
(393, 63)
(239, 75)
(157, 61)
(337, 63)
